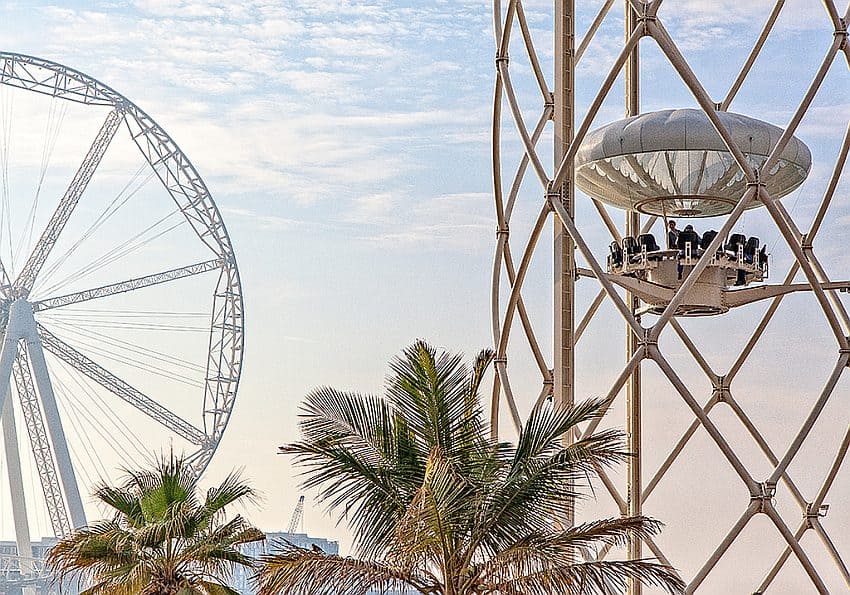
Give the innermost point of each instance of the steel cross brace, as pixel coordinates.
(815, 270)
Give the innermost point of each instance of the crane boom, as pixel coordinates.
(297, 514)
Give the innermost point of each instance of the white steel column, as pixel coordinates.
(633, 387)
(9, 350)
(52, 419)
(16, 487)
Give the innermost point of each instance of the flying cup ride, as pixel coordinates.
(673, 164)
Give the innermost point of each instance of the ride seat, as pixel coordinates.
(630, 246)
(735, 240)
(686, 237)
(616, 256)
(707, 238)
(648, 240)
(750, 249)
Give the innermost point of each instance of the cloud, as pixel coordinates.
(696, 24)
(287, 99)
(456, 221)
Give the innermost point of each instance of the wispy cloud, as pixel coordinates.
(289, 99)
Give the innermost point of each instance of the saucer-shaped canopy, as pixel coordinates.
(673, 162)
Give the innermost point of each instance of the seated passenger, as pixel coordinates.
(688, 236)
(763, 257)
(616, 256)
(750, 249)
(735, 240)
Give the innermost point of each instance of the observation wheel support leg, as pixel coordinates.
(54, 426)
(8, 352)
(16, 487)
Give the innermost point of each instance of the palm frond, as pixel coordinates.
(439, 516)
(431, 393)
(544, 478)
(538, 550)
(592, 578)
(297, 571)
(436, 504)
(233, 489)
(125, 503)
(162, 539)
(353, 448)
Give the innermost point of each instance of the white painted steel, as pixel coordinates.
(16, 486)
(28, 366)
(52, 418)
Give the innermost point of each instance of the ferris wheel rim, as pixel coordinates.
(219, 390)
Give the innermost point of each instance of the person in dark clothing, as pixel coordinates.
(672, 235)
(685, 237)
(688, 235)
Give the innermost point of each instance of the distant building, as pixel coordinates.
(38, 582)
(241, 579)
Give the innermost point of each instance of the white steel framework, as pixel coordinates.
(644, 24)
(26, 339)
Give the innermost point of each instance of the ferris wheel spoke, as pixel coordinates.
(5, 283)
(120, 388)
(125, 286)
(27, 277)
(40, 445)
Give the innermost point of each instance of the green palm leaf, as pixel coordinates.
(161, 539)
(437, 505)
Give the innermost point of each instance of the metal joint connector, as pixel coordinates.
(811, 513)
(805, 242)
(551, 192)
(647, 339)
(721, 389)
(503, 231)
(499, 58)
(549, 380)
(550, 102)
(552, 196)
(841, 32)
(501, 360)
(767, 491)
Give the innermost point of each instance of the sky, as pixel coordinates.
(347, 147)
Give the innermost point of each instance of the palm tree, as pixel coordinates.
(162, 539)
(438, 507)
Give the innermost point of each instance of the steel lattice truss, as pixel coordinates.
(507, 302)
(25, 340)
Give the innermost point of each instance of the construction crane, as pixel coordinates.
(297, 515)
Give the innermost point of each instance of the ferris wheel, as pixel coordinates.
(120, 298)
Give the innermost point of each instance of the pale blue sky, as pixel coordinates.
(347, 146)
